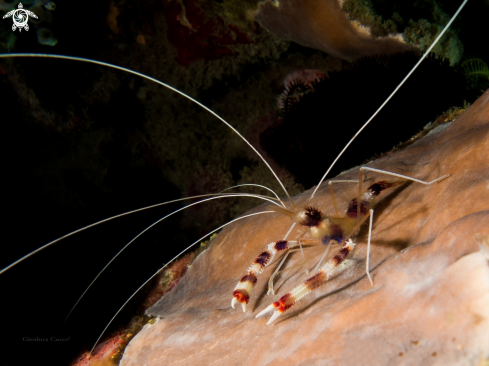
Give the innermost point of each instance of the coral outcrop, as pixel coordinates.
(324, 26)
(350, 29)
(418, 22)
(430, 300)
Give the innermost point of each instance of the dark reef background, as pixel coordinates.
(82, 142)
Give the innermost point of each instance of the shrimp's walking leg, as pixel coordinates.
(372, 191)
(321, 276)
(371, 215)
(368, 247)
(277, 270)
(322, 257)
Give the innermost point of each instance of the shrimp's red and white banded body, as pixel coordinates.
(325, 229)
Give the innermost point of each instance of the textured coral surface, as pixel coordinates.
(430, 302)
(324, 26)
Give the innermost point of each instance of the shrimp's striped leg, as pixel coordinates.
(321, 276)
(247, 283)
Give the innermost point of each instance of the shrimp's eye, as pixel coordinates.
(312, 217)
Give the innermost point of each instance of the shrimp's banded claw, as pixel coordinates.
(320, 277)
(279, 306)
(245, 286)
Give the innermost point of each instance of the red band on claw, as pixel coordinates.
(241, 295)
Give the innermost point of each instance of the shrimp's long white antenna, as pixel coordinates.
(254, 185)
(178, 255)
(156, 222)
(102, 221)
(73, 58)
(390, 96)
